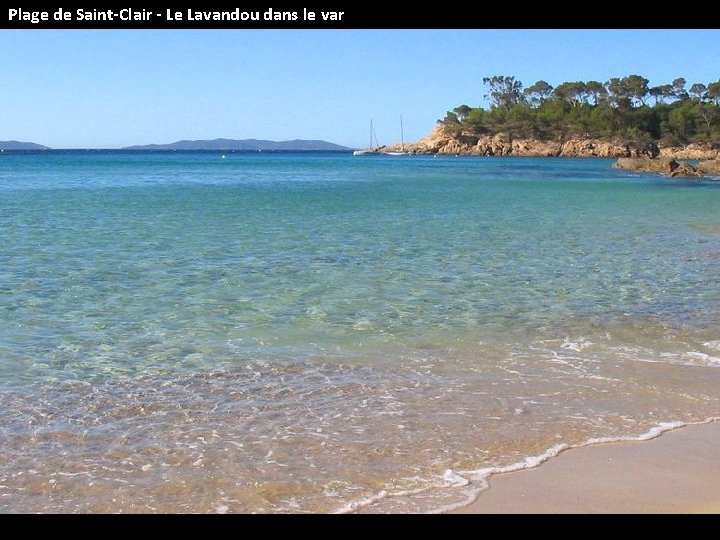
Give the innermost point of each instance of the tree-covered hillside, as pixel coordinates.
(624, 109)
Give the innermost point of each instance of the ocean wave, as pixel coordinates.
(472, 483)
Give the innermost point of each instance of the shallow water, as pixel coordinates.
(304, 332)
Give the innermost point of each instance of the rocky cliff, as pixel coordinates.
(502, 144)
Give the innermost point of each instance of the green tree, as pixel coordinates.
(636, 88)
(538, 92)
(596, 90)
(615, 110)
(520, 121)
(697, 91)
(477, 120)
(713, 92)
(646, 120)
(679, 89)
(451, 119)
(618, 93)
(603, 121)
(503, 91)
(574, 93)
(462, 111)
(708, 114)
(661, 93)
(682, 121)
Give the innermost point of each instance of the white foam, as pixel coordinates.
(449, 479)
(353, 506)
(648, 435)
(527, 463)
(474, 482)
(454, 479)
(702, 357)
(576, 346)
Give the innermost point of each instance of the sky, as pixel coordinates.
(115, 88)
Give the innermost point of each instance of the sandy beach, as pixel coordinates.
(677, 472)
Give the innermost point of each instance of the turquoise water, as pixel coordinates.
(298, 332)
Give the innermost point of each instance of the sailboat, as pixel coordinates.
(371, 149)
(402, 151)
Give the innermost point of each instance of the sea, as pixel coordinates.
(318, 333)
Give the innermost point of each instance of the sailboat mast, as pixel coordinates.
(402, 135)
(371, 133)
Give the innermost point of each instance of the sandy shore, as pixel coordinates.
(678, 472)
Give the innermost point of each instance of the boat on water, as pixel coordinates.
(371, 150)
(378, 150)
(366, 151)
(402, 151)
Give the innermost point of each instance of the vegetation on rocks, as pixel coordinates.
(623, 110)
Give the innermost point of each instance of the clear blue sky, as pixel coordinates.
(107, 89)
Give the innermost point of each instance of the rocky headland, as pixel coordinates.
(649, 158)
(443, 142)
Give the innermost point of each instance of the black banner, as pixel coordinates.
(376, 16)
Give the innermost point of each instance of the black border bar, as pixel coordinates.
(363, 16)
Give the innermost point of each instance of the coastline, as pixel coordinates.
(439, 142)
(676, 471)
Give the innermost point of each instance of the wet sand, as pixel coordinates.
(677, 472)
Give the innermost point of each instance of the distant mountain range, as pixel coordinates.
(298, 145)
(246, 144)
(16, 145)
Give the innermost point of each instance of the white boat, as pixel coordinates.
(365, 151)
(402, 143)
(371, 149)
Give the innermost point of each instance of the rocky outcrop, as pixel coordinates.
(533, 147)
(503, 144)
(691, 151)
(685, 169)
(438, 142)
(662, 165)
(666, 166)
(597, 148)
(710, 167)
(493, 145)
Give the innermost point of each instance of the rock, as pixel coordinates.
(691, 151)
(594, 148)
(535, 148)
(661, 165)
(445, 142)
(685, 169)
(710, 167)
(493, 145)
(434, 142)
(598, 148)
(453, 146)
(503, 144)
(658, 165)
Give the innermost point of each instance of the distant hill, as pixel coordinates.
(247, 144)
(16, 145)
